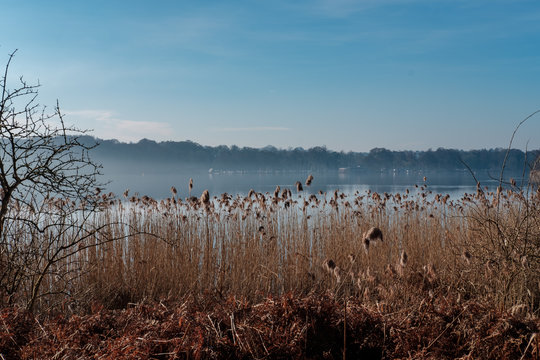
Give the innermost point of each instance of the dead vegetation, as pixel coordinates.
(282, 275)
(285, 327)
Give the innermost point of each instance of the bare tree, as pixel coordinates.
(48, 192)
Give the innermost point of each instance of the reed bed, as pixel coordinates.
(484, 246)
(275, 275)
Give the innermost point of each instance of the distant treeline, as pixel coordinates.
(188, 154)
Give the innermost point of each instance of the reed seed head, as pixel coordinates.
(373, 234)
(338, 274)
(205, 197)
(429, 273)
(466, 256)
(403, 259)
(329, 265)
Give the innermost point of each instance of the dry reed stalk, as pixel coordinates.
(366, 245)
(238, 260)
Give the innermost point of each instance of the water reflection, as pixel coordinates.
(157, 184)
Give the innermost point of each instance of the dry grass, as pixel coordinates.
(481, 250)
(484, 246)
(285, 327)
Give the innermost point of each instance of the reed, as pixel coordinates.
(483, 246)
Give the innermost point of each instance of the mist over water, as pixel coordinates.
(157, 184)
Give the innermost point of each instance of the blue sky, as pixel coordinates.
(351, 75)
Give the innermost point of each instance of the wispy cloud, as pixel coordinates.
(139, 129)
(202, 33)
(342, 8)
(253, 128)
(346, 8)
(108, 126)
(98, 115)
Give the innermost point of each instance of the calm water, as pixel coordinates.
(157, 185)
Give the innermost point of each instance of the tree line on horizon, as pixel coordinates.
(189, 154)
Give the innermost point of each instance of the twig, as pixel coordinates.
(533, 336)
(510, 145)
(235, 334)
(214, 327)
(447, 327)
(470, 170)
(345, 330)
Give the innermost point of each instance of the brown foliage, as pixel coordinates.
(286, 327)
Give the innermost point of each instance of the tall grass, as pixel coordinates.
(484, 246)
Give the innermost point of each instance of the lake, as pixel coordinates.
(158, 184)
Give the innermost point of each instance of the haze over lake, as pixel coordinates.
(158, 185)
(151, 168)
